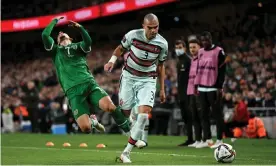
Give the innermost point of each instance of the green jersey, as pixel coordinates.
(70, 61)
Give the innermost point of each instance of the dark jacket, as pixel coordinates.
(183, 69)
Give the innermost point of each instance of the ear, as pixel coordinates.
(144, 26)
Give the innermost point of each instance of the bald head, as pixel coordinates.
(150, 18)
(151, 26)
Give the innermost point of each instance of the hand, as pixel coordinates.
(108, 67)
(162, 96)
(73, 24)
(60, 18)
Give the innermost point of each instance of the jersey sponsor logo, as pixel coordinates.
(146, 47)
(74, 46)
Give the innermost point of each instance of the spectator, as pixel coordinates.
(31, 100)
(240, 116)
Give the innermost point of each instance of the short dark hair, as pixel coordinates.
(206, 33)
(180, 41)
(194, 41)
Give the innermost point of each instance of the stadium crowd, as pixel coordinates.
(31, 91)
(251, 72)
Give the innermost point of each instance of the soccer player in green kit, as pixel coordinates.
(76, 80)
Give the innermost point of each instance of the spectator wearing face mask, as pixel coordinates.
(183, 68)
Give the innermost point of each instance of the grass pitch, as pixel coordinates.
(18, 149)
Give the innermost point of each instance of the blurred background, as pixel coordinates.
(32, 99)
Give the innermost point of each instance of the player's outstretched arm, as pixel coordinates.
(120, 49)
(87, 41)
(116, 54)
(48, 41)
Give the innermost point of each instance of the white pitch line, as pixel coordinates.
(140, 153)
(104, 151)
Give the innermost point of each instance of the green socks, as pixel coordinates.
(121, 120)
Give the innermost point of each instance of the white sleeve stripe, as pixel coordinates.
(84, 50)
(49, 49)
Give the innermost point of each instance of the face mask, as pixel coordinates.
(238, 77)
(179, 52)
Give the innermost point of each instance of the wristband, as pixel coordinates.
(113, 59)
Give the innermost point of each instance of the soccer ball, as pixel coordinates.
(224, 153)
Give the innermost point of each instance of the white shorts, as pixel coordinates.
(136, 91)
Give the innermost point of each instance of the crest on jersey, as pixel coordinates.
(74, 46)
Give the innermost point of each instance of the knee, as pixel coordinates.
(145, 109)
(106, 104)
(86, 128)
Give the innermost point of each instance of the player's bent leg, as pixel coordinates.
(84, 123)
(80, 109)
(107, 105)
